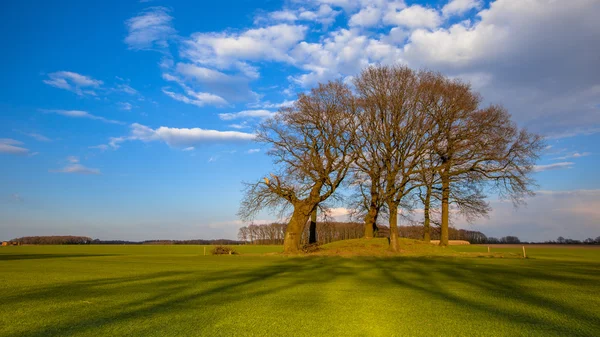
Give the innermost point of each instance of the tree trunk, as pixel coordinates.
(394, 246)
(293, 233)
(445, 210)
(371, 217)
(426, 227)
(312, 230)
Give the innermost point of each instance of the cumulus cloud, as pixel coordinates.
(460, 7)
(247, 114)
(227, 50)
(74, 82)
(526, 51)
(11, 146)
(181, 137)
(81, 114)
(151, 28)
(366, 17)
(414, 16)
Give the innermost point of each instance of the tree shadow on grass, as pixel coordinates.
(179, 292)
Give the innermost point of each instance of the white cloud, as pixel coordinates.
(460, 7)
(101, 147)
(126, 88)
(11, 146)
(229, 87)
(574, 155)
(224, 50)
(37, 136)
(284, 15)
(125, 106)
(555, 166)
(181, 137)
(74, 82)
(81, 114)
(189, 148)
(367, 17)
(518, 45)
(76, 168)
(251, 151)
(151, 28)
(414, 16)
(247, 114)
(198, 99)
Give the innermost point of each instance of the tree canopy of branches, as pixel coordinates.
(312, 147)
(393, 137)
(475, 147)
(404, 135)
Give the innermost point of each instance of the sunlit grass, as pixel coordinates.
(176, 291)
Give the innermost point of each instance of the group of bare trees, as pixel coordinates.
(399, 138)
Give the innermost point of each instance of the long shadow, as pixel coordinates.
(12, 257)
(171, 292)
(175, 292)
(499, 281)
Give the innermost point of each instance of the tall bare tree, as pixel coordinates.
(312, 145)
(393, 136)
(476, 145)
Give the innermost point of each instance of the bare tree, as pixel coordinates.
(312, 146)
(476, 145)
(393, 137)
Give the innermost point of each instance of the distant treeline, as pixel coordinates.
(326, 232)
(330, 231)
(83, 240)
(54, 240)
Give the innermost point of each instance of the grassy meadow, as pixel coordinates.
(177, 291)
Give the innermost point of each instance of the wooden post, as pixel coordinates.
(204, 250)
(524, 254)
(488, 249)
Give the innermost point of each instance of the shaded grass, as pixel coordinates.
(174, 290)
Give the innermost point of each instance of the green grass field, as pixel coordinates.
(176, 291)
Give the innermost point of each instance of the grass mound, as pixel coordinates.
(408, 247)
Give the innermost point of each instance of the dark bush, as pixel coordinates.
(311, 248)
(223, 250)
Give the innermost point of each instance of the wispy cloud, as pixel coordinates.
(251, 151)
(574, 155)
(247, 114)
(151, 28)
(555, 166)
(74, 167)
(36, 136)
(198, 99)
(74, 82)
(125, 106)
(81, 114)
(11, 146)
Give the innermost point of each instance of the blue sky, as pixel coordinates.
(134, 120)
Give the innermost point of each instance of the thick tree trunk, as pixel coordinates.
(312, 230)
(371, 217)
(293, 233)
(426, 222)
(445, 210)
(394, 246)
